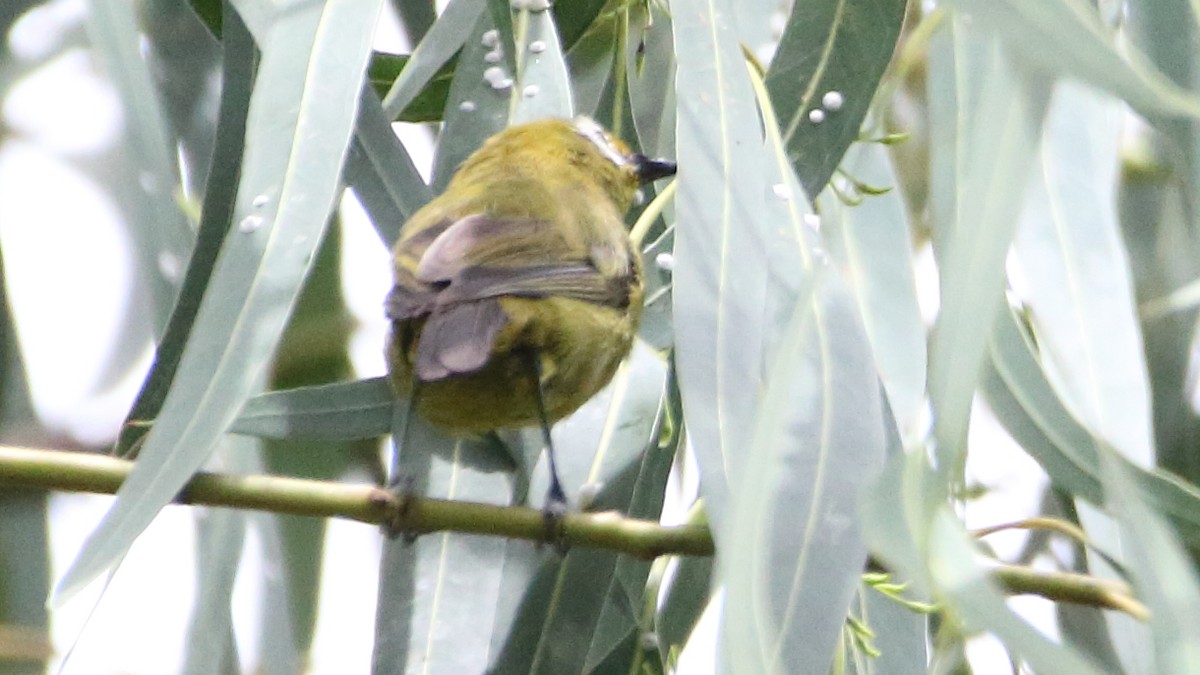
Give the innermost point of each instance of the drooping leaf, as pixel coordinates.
(289, 183)
(823, 77)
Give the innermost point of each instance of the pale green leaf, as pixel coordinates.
(720, 284)
(345, 410)
(823, 77)
(441, 42)
(289, 184)
(542, 88)
(997, 123)
(872, 242)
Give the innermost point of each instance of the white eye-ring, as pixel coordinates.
(589, 129)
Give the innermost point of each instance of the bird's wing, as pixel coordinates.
(479, 257)
(476, 260)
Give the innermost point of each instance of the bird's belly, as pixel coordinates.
(579, 346)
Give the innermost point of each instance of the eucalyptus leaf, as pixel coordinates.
(1031, 411)
(823, 77)
(158, 224)
(871, 240)
(542, 88)
(238, 71)
(345, 410)
(440, 44)
(1067, 37)
(476, 107)
(719, 283)
(289, 184)
(998, 127)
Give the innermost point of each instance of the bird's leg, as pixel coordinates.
(556, 499)
(401, 486)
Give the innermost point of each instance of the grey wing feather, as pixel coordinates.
(458, 339)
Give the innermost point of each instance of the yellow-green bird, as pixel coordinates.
(517, 291)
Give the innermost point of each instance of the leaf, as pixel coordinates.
(429, 104)
(210, 644)
(157, 223)
(682, 605)
(793, 558)
(382, 173)
(998, 119)
(1066, 37)
(871, 241)
(910, 527)
(1069, 249)
(591, 65)
(650, 70)
(216, 216)
(611, 449)
(289, 184)
(795, 554)
(475, 109)
(1017, 390)
(443, 40)
(823, 76)
(542, 87)
(898, 632)
(575, 18)
(1163, 574)
(965, 587)
(1083, 312)
(719, 283)
(341, 411)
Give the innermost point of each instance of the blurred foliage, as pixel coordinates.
(1039, 155)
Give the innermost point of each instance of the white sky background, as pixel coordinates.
(69, 268)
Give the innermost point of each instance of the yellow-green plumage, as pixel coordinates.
(524, 256)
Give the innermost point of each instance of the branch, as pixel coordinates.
(1078, 589)
(82, 472)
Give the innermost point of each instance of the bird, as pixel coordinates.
(517, 292)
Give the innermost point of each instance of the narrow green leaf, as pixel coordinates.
(872, 241)
(684, 602)
(795, 554)
(157, 222)
(1067, 37)
(1083, 313)
(579, 612)
(288, 187)
(1031, 411)
(574, 19)
(1071, 256)
(439, 594)
(442, 42)
(591, 65)
(720, 283)
(476, 107)
(220, 534)
(899, 633)
(823, 76)
(997, 127)
(542, 88)
(1162, 572)
(909, 525)
(650, 62)
(220, 194)
(382, 173)
(965, 589)
(346, 410)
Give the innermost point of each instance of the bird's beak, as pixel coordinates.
(652, 169)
